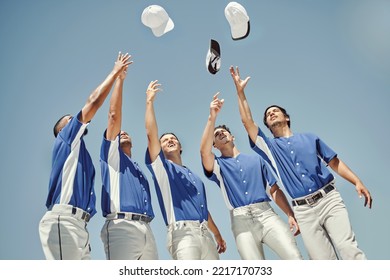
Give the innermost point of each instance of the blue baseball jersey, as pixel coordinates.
(73, 174)
(243, 179)
(125, 187)
(181, 193)
(300, 161)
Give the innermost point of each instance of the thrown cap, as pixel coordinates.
(238, 20)
(156, 18)
(213, 58)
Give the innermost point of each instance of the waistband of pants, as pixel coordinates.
(259, 207)
(313, 198)
(69, 210)
(129, 216)
(188, 224)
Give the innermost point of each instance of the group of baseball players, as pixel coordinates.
(296, 163)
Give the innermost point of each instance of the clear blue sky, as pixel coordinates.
(326, 62)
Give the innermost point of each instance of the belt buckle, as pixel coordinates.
(136, 217)
(314, 198)
(310, 200)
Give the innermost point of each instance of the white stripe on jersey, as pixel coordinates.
(262, 145)
(70, 167)
(113, 160)
(217, 172)
(165, 188)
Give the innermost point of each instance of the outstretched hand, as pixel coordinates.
(216, 105)
(152, 90)
(240, 84)
(122, 62)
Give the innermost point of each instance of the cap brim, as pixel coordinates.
(240, 31)
(164, 28)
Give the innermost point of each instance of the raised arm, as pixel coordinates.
(154, 146)
(221, 243)
(243, 106)
(115, 109)
(344, 171)
(206, 145)
(97, 97)
(280, 199)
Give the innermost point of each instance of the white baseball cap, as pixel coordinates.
(238, 20)
(156, 18)
(213, 57)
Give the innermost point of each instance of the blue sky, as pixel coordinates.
(326, 62)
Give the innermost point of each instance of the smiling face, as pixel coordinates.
(222, 136)
(125, 142)
(125, 139)
(170, 144)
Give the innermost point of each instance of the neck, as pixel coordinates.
(279, 130)
(127, 150)
(229, 151)
(175, 158)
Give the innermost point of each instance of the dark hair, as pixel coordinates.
(281, 109)
(166, 133)
(223, 126)
(56, 128)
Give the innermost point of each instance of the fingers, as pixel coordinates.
(154, 86)
(124, 58)
(367, 197)
(221, 247)
(216, 103)
(232, 70)
(368, 201)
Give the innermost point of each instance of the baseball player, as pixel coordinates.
(243, 180)
(126, 200)
(71, 199)
(181, 194)
(299, 159)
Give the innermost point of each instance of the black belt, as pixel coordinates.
(134, 217)
(314, 198)
(84, 216)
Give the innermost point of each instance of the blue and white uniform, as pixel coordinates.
(127, 206)
(243, 181)
(71, 199)
(182, 198)
(300, 161)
